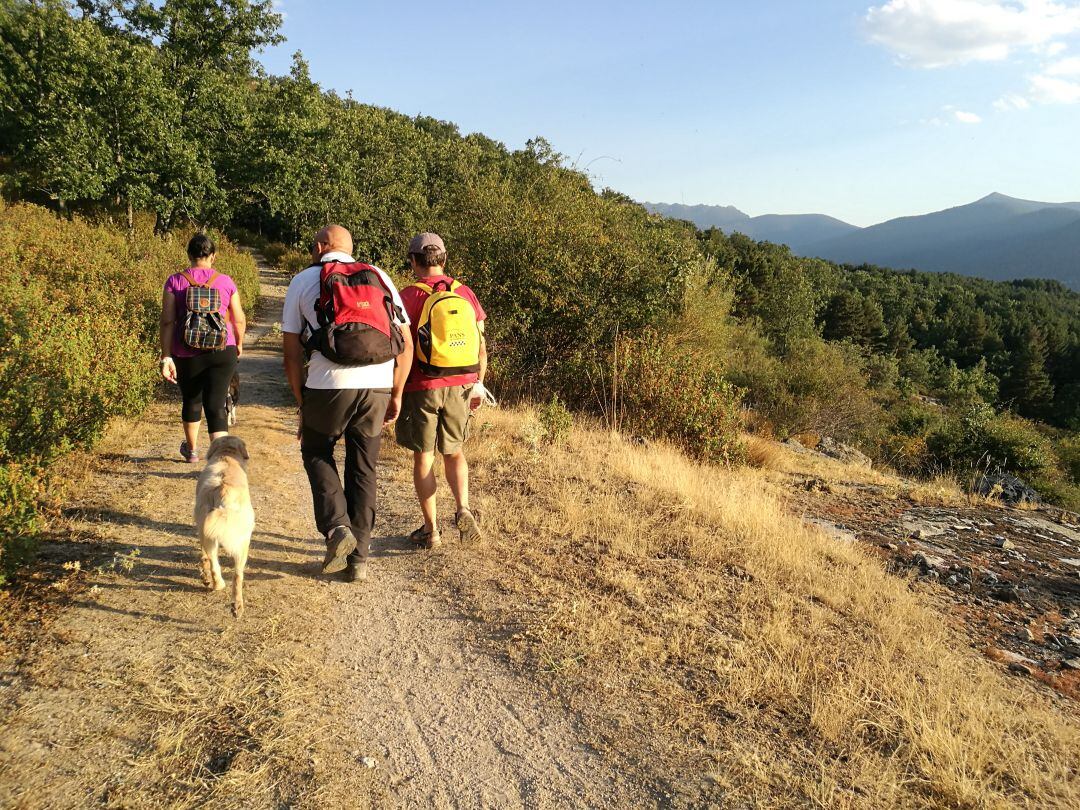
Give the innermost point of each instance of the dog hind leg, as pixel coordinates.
(238, 582)
(205, 569)
(215, 567)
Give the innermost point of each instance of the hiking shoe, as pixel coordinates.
(425, 538)
(340, 543)
(356, 571)
(190, 456)
(468, 526)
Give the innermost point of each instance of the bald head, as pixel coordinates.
(334, 237)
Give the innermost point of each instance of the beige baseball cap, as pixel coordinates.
(423, 240)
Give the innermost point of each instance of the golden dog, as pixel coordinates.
(224, 518)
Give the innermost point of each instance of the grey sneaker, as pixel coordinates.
(340, 543)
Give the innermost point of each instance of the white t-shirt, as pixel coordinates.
(298, 318)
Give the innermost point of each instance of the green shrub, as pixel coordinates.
(667, 392)
(1069, 452)
(815, 387)
(977, 437)
(293, 262)
(19, 521)
(561, 269)
(273, 251)
(237, 264)
(245, 236)
(1018, 445)
(904, 442)
(555, 421)
(1057, 491)
(963, 386)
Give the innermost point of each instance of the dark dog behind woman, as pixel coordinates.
(202, 337)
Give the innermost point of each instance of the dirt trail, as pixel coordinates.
(142, 690)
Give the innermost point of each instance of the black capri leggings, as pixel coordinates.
(204, 380)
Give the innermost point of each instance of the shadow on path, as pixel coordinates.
(185, 625)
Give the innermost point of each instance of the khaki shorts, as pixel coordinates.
(436, 419)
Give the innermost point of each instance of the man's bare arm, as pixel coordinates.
(404, 362)
(294, 364)
(475, 400)
(483, 352)
(402, 367)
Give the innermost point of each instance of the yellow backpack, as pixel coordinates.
(447, 334)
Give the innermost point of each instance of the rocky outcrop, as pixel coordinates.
(1007, 488)
(843, 452)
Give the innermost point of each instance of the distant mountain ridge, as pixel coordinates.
(795, 230)
(997, 237)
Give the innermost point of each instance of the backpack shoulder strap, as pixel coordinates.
(454, 284)
(422, 286)
(194, 283)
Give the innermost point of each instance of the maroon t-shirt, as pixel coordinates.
(413, 298)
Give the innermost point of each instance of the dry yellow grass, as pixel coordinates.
(944, 489)
(228, 731)
(762, 453)
(731, 641)
(940, 490)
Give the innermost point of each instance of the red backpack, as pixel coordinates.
(358, 319)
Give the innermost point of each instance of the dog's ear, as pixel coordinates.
(243, 450)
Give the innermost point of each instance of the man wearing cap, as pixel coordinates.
(354, 402)
(436, 410)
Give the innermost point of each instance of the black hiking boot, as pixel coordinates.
(356, 571)
(340, 543)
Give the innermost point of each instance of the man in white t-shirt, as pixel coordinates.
(351, 401)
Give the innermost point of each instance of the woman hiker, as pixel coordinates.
(202, 337)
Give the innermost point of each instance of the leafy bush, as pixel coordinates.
(815, 387)
(555, 421)
(1017, 444)
(63, 373)
(562, 269)
(18, 516)
(977, 437)
(78, 337)
(1057, 491)
(667, 392)
(232, 261)
(293, 262)
(273, 251)
(903, 442)
(1069, 452)
(962, 386)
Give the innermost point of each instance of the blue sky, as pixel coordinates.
(861, 110)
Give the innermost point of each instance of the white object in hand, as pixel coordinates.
(486, 397)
